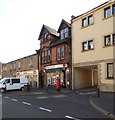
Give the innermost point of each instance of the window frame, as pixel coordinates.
(45, 57)
(91, 16)
(89, 48)
(105, 44)
(42, 57)
(113, 39)
(113, 9)
(48, 56)
(105, 10)
(108, 77)
(84, 46)
(58, 53)
(83, 25)
(62, 57)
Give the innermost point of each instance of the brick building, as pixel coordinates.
(23, 67)
(55, 55)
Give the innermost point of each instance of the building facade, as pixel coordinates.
(23, 67)
(55, 55)
(93, 42)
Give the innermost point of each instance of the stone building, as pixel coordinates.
(23, 67)
(93, 42)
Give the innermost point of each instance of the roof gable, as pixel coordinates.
(49, 30)
(63, 25)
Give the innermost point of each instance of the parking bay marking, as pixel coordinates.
(26, 103)
(41, 108)
(71, 117)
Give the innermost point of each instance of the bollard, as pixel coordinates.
(98, 91)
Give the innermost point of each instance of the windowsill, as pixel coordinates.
(87, 26)
(108, 17)
(108, 46)
(87, 50)
(109, 78)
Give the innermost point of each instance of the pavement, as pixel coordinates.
(104, 102)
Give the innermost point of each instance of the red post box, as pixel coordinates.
(58, 84)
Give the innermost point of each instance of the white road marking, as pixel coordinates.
(0, 95)
(6, 97)
(15, 100)
(26, 103)
(45, 109)
(71, 117)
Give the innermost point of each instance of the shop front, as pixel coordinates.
(56, 71)
(31, 75)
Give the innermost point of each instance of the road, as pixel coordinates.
(68, 105)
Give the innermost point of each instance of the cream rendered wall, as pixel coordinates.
(95, 32)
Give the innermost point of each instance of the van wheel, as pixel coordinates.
(22, 88)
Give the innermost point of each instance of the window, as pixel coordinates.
(62, 52)
(5, 68)
(113, 39)
(19, 66)
(45, 56)
(84, 46)
(58, 53)
(64, 33)
(107, 40)
(84, 22)
(15, 81)
(90, 45)
(31, 62)
(48, 55)
(7, 81)
(90, 20)
(45, 36)
(14, 66)
(10, 66)
(114, 9)
(110, 70)
(42, 57)
(107, 12)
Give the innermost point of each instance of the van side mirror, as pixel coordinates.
(4, 83)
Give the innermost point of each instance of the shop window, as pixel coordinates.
(113, 39)
(45, 56)
(84, 22)
(90, 45)
(58, 53)
(107, 12)
(114, 9)
(107, 40)
(90, 20)
(110, 70)
(84, 45)
(62, 52)
(48, 55)
(42, 57)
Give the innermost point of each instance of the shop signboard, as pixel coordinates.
(55, 66)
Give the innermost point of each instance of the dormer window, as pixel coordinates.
(64, 33)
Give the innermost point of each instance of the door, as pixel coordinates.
(8, 84)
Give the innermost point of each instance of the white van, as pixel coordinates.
(13, 83)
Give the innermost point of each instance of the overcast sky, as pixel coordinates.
(21, 22)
